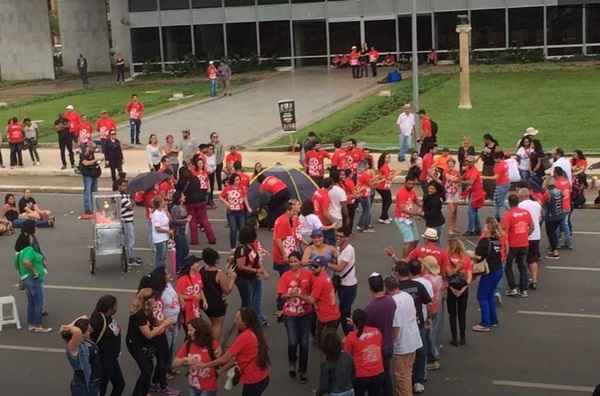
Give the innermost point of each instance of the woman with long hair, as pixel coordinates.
(452, 189)
(488, 157)
(460, 268)
(364, 345)
(433, 204)
(337, 371)
(386, 175)
(250, 352)
(235, 198)
(197, 207)
(536, 165)
(189, 287)
(217, 285)
(153, 153)
(106, 333)
(364, 188)
(489, 248)
(248, 267)
(523, 152)
(201, 347)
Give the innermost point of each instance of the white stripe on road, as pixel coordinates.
(31, 349)
(539, 385)
(145, 249)
(586, 232)
(574, 268)
(560, 314)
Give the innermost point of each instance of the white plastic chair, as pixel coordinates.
(14, 319)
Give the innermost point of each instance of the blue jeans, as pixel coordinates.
(257, 301)
(420, 359)
(364, 220)
(79, 387)
(405, 145)
(182, 248)
(486, 298)
(90, 186)
(500, 194)
(213, 87)
(347, 295)
(435, 334)
(35, 301)
(129, 238)
(135, 125)
(247, 289)
(329, 237)
(236, 220)
(160, 254)
(565, 230)
(298, 330)
(474, 223)
(171, 334)
(198, 392)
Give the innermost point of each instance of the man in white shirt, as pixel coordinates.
(407, 339)
(160, 231)
(345, 268)
(406, 130)
(338, 211)
(558, 155)
(533, 253)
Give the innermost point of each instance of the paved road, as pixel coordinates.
(526, 348)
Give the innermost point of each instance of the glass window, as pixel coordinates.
(488, 28)
(177, 42)
(445, 29)
(208, 40)
(564, 51)
(266, 2)
(593, 23)
(343, 35)
(238, 3)
(310, 38)
(381, 35)
(142, 5)
(174, 4)
(207, 3)
(526, 26)
(241, 39)
(145, 44)
(274, 39)
(564, 25)
(423, 32)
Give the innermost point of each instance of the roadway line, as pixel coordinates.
(145, 249)
(539, 385)
(586, 232)
(31, 349)
(560, 314)
(574, 268)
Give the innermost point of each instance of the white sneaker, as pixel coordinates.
(381, 221)
(512, 292)
(419, 388)
(369, 230)
(358, 228)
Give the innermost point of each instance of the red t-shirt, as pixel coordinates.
(234, 197)
(74, 120)
(314, 161)
(104, 126)
(350, 189)
(135, 110)
(325, 303)
(85, 132)
(386, 172)
(476, 188)
(515, 223)
(272, 185)
(321, 204)
(245, 352)
(284, 230)
(232, 157)
(562, 183)
(357, 155)
(430, 248)
(364, 183)
(366, 351)
(426, 166)
(299, 281)
(244, 180)
(202, 379)
(337, 159)
(501, 172)
(426, 127)
(404, 197)
(190, 286)
(465, 266)
(14, 133)
(211, 72)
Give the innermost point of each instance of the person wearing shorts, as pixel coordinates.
(408, 206)
(534, 209)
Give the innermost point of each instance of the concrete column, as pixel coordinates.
(25, 44)
(84, 30)
(465, 82)
(119, 28)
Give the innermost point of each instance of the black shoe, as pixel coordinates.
(454, 343)
(292, 372)
(463, 341)
(303, 378)
(138, 142)
(533, 285)
(63, 167)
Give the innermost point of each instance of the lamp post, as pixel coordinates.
(464, 29)
(415, 73)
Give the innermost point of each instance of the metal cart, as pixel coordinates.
(108, 229)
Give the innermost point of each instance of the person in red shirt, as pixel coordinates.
(365, 180)
(104, 125)
(292, 285)
(407, 207)
(244, 178)
(427, 167)
(285, 237)
(251, 353)
(349, 187)
(198, 209)
(354, 156)
(314, 163)
(235, 198)
(16, 137)
(275, 195)
(199, 348)
(355, 62)
(458, 297)
(135, 111)
(73, 117)
(473, 189)
(502, 183)
(231, 158)
(189, 289)
(427, 139)
(373, 59)
(430, 247)
(385, 175)
(561, 182)
(517, 225)
(364, 345)
(337, 158)
(85, 132)
(212, 74)
(322, 296)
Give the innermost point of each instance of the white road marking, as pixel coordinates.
(586, 232)
(539, 385)
(31, 349)
(560, 314)
(145, 249)
(574, 268)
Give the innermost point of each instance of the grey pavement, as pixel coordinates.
(525, 350)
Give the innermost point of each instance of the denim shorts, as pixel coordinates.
(409, 231)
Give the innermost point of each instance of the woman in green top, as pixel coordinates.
(30, 264)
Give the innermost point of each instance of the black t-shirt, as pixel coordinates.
(190, 186)
(487, 155)
(252, 258)
(62, 127)
(432, 210)
(534, 158)
(135, 338)
(110, 342)
(419, 294)
(489, 249)
(23, 202)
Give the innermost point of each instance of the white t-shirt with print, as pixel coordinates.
(159, 219)
(171, 306)
(405, 319)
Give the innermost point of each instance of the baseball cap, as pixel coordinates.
(317, 263)
(69, 107)
(316, 233)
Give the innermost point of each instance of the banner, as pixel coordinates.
(287, 114)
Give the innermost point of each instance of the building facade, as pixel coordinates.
(308, 32)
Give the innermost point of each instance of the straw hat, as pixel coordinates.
(431, 264)
(531, 131)
(430, 234)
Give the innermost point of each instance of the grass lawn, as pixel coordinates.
(562, 104)
(113, 99)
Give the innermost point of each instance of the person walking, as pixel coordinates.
(338, 372)
(197, 207)
(533, 252)
(408, 207)
(82, 67)
(517, 224)
(488, 157)
(219, 157)
(91, 171)
(235, 200)
(433, 204)
(406, 129)
(460, 275)
(248, 266)
(160, 231)
(345, 278)
(386, 175)
(373, 59)
(225, 77)
(114, 156)
(473, 190)
(127, 219)
(179, 221)
(65, 140)
(135, 111)
(212, 74)
(285, 237)
(554, 214)
(120, 68)
(190, 289)
(364, 190)
(31, 140)
(501, 182)
(16, 138)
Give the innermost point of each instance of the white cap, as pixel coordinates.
(70, 107)
(211, 63)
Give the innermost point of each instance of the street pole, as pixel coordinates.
(415, 74)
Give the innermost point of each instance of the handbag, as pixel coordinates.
(456, 281)
(336, 280)
(481, 268)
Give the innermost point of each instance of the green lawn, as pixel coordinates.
(113, 99)
(562, 104)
